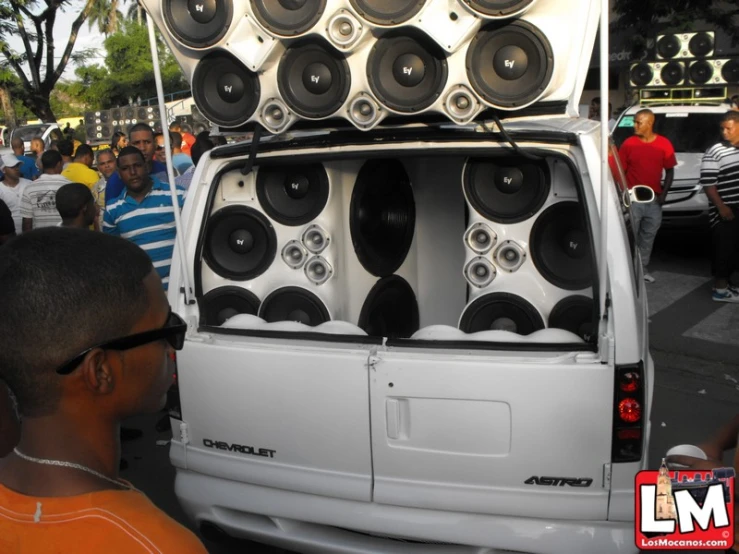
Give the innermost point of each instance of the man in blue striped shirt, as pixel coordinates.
(143, 213)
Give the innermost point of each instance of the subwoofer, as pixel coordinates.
(382, 216)
(685, 45)
(222, 303)
(240, 243)
(294, 304)
(390, 310)
(644, 74)
(98, 126)
(500, 311)
(313, 79)
(575, 314)
(384, 13)
(293, 195)
(498, 8)
(287, 18)
(225, 91)
(714, 72)
(406, 73)
(198, 23)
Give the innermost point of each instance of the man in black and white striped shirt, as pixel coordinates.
(720, 180)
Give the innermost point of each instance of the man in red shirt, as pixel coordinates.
(644, 157)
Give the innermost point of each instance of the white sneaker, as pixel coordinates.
(725, 295)
(648, 278)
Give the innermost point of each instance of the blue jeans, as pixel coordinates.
(647, 218)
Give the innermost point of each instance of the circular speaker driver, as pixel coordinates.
(700, 72)
(560, 247)
(498, 8)
(294, 304)
(501, 311)
(574, 314)
(313, 80)
(240, 243)
(225, 302)
(382, 216)
(701, 44)
(730, 71)
(288, 17)
(292, 195)
(386, 13)
(510, 65)
(225, 91)
(390, 309)
(507, 190)
(641, 74)
(198, 23)
(673, 73)
(668, 46)
(406, 74)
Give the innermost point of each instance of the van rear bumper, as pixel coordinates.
(309, 523)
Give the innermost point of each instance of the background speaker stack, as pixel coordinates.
(199, 122)
(126, 117)
(98, 126)
(686, 60)
(280, 62)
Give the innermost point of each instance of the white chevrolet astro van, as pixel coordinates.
(394, 342)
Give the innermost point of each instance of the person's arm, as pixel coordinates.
(10, 428)
(666, 184)
(709, 180)
(27, 224)
(723, 210)
(723, 439)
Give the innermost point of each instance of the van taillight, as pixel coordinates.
(628, 412)
(173, 394)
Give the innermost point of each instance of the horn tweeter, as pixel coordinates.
(294, 304)
(318, 270)
(385, 13)
(510, 256)
(294, 254)
(223, 303)
(501, 311)
(506, 191)
(275, 115)
(406, 73)
(560, 247)
(288, 18)
(479, 272)
(344, 29)
(225, 91)
(575, 314)
(313, 80)
(480, 238)
(510, 65)
(240, 243)
(460, 104)
(292, 195)
(390, 309)
(364, 111)
(382, 216)
(315, 239)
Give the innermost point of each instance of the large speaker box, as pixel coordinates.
(98, 126)
(529, 260)
(280, 63)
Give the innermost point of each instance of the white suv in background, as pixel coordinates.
(692, 129)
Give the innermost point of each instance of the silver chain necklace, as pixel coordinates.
(61, 463)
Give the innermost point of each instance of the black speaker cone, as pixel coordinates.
(510, 65)
(223, 303)
(506, 190)
(292, 195)
(575, 314)
(198, 23)
(700, 72)
(382, 216)
(668, 46)
(560, 246)
(314, 80)
(225, 91)
(294, 304)
(288, 17)
(501, 311)
(730, 72)
(406, 73)
(673, 73)
(240, 243)
(498, 8)
(701, 44)
(384, 12)
(641, 74)
(390, 309)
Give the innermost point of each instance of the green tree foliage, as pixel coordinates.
(128, 71)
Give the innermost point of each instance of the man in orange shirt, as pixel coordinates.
(92, 348)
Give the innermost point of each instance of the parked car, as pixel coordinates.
(395, 345)
(692, 129)
(46, 131)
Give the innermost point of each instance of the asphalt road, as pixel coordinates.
(694, 341)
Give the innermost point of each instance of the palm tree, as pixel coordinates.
(105, 14)
(137, 12)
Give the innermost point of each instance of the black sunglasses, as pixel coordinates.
(173, 332)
